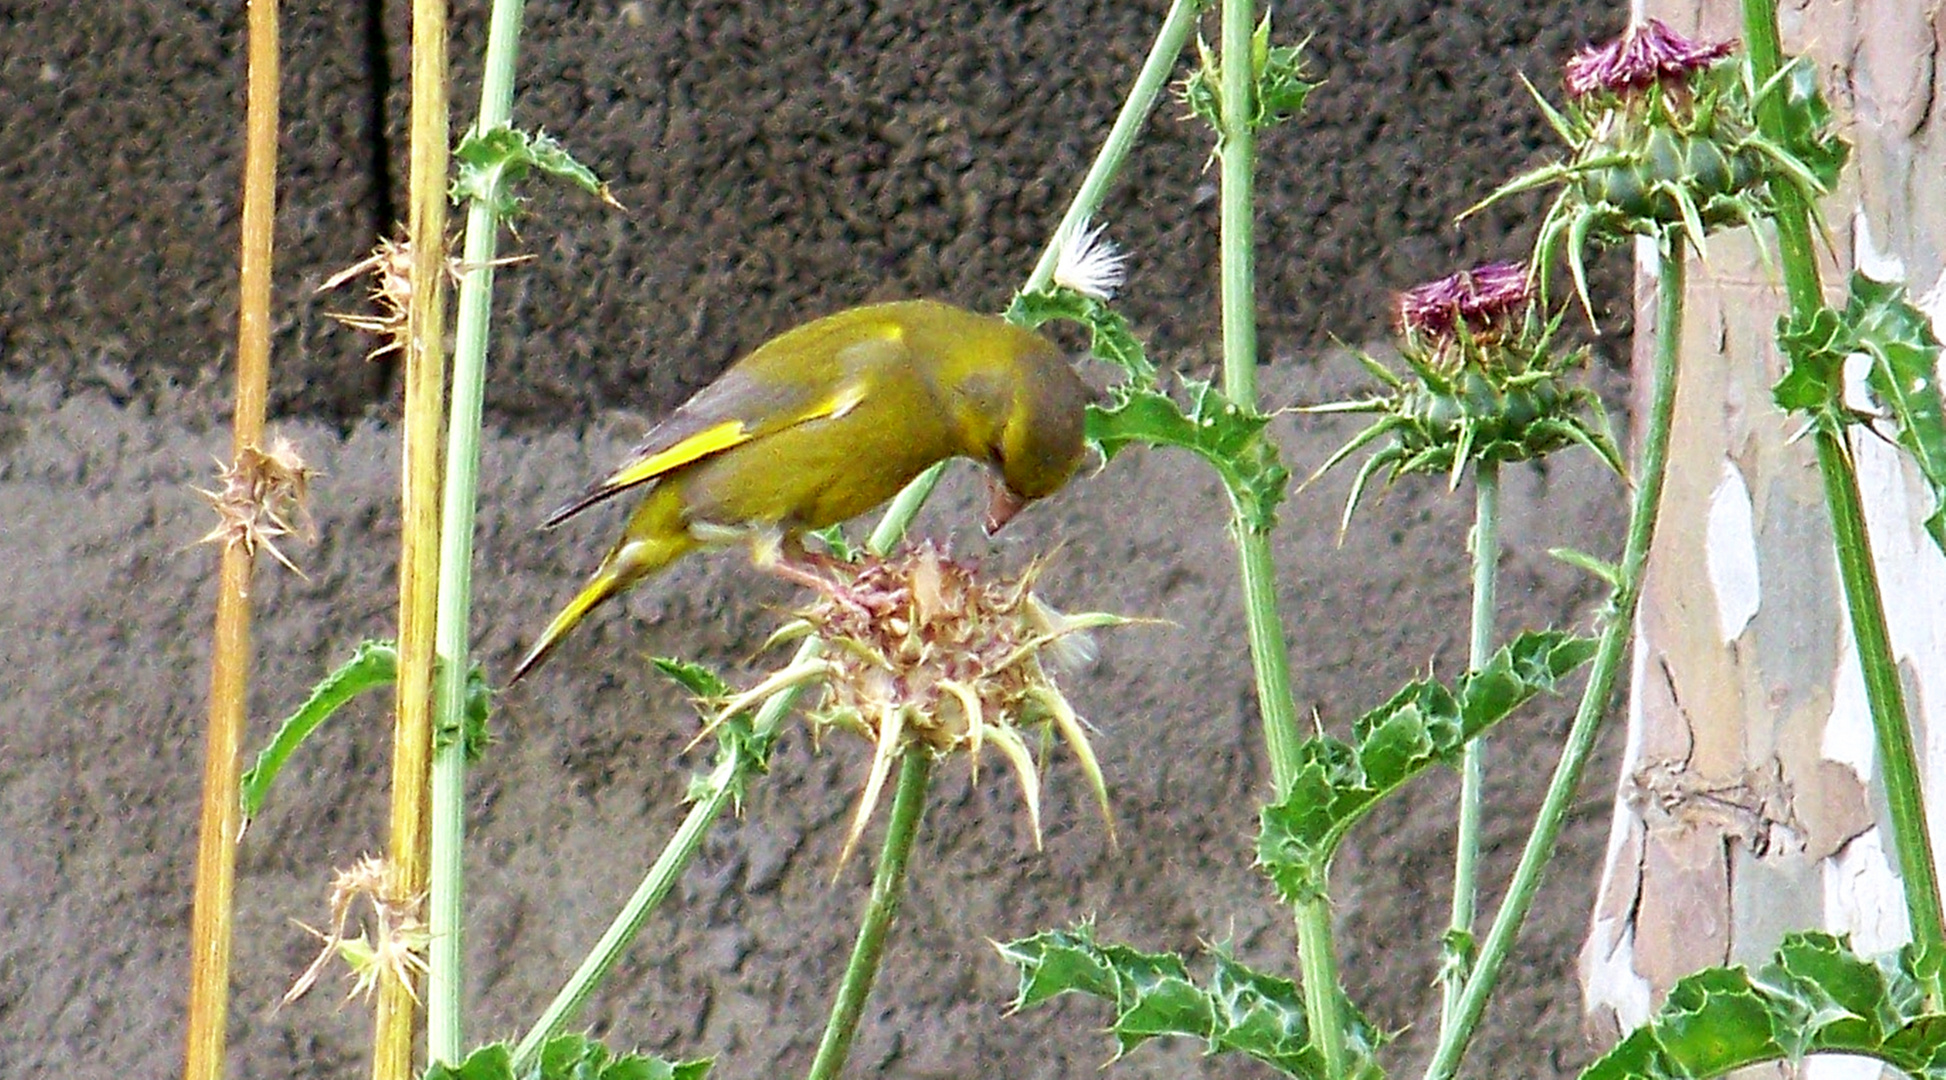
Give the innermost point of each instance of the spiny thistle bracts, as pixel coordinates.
(925, 654)
(1486, 383)
(1663, 141)
(262, 495)
(391, 948)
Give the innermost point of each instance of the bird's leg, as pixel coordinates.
(784, 555)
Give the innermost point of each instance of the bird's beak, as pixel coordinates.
(1002, 507)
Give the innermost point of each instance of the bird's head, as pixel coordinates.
(1040, 443)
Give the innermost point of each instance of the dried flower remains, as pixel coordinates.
(925, 654)
(390, 948)
(390, 267)
(262, 495)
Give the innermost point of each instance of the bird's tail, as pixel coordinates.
(631, 561)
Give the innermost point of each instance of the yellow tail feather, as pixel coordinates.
(630, 562)
(602, 586)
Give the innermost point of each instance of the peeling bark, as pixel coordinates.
(1745, 807)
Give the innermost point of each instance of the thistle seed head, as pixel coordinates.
(926, 654)
(389, 948)
(262, 495)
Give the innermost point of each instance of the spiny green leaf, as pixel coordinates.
(1055, 962)
(1236, 1010)
(1230, 438)
(1110, 337)
(1809, 135)
(577, 1057)
(1715, 1021)
(372, 664)
(736, 740)
(693, 677)
(1638, 1057)
(494, 1061)
(1581, 560)
(1815, 995)
(1881, 323)
(490, 163)
(1424, 723)
(1816, 346)
(1160, 1001)
(1899, 339)
(567, 1057)
(1281, 86)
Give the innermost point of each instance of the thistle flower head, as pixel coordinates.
(926, 654)
(1647, 54)
(1663, 142)
(1485, 383)
(1478, 304)
(1089, 264)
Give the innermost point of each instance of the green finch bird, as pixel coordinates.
(827, 421)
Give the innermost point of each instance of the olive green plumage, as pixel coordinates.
(827, 421)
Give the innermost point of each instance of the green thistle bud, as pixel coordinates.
(1663, 137)
(1486, 384)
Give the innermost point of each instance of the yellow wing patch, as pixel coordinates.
(730, 433)
(712, 440)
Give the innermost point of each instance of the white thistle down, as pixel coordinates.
(1088, 264)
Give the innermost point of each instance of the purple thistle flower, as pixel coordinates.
(1483, 297)
(1646, 54)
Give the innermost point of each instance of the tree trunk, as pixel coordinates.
(1748, 803)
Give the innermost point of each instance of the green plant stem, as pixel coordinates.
(412, 727)
(888, 888)
(212, 919)
(662, 877)
(675, 856)
(1651, 470)
(1269, 656)
(1236, 149)
(1154, 75)
(720, 790)
(1793, 217)
(445, 885)
(1884, 692)
(1485, 543)
(1163, 53)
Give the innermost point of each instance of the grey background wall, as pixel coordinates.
(778, 161)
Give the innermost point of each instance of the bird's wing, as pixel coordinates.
(747, 402)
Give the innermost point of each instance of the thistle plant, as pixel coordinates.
(927, 657)
(1488, 383)
(925, 654)
(1662, 132)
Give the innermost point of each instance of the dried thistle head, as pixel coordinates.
(264, 494)
(925, 654)
(390, 947)
(390, 267)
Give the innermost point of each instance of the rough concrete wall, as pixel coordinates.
(1746, 805)
(780, 160)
